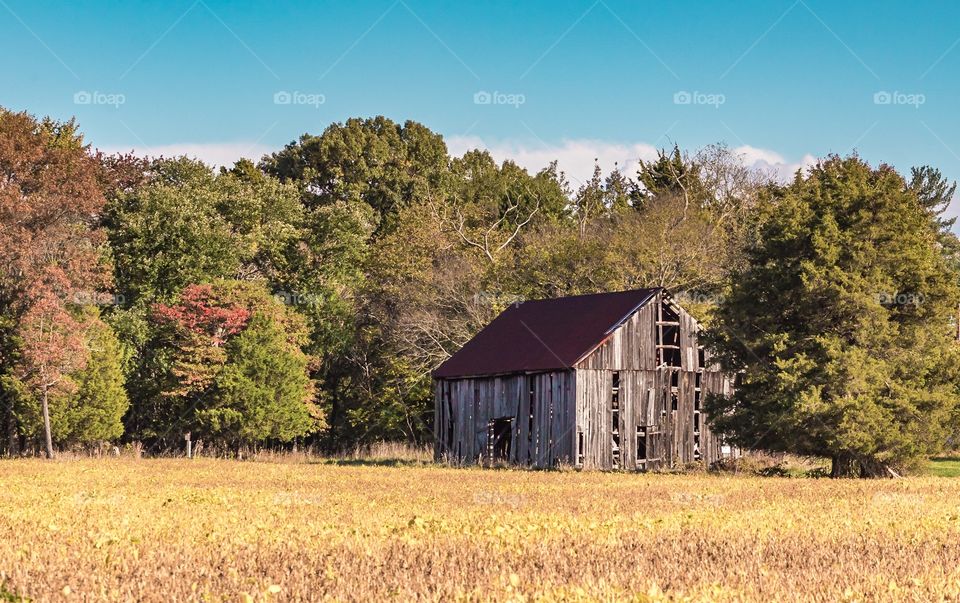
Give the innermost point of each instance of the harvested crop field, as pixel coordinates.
(179, 530)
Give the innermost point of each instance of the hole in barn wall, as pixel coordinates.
(615, 420)
(641, 444)
(498, 438)
(531, 448)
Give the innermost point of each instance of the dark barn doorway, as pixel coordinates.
(498, 438)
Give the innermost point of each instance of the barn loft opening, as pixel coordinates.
(668, 336)
(498, 436)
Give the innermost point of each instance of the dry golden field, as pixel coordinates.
(213, 530)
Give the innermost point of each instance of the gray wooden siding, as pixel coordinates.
(466, 407)
(719, 383)
(631, 347)
(673, 436)
(640, 405)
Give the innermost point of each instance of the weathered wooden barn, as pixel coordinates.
(606, 381)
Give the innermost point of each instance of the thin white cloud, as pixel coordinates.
(765, 159)
(576, 158)
(215, 154)
(752, 155)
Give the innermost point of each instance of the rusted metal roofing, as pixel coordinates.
(543, 335)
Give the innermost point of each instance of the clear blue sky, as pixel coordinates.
(786, 78)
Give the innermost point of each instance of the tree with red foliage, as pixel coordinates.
(200, 324)
(121, 173)
(230, 367)
(50, 204)
(53, 348)
(50, 252)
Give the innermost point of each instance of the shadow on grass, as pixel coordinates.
(423, 463)
(371, 463)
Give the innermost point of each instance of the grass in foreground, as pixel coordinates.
(161, 530)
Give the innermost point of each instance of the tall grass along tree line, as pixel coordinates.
(305, 298)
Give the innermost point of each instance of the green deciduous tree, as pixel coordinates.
(841, 323)
(375, 161)
(492, 205)
(186, 224)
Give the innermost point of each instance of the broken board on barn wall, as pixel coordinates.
(631, 400)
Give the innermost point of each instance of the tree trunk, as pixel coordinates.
(46, 423)
(848, 465)
(844, 465)
(874, 469)
(13, 436)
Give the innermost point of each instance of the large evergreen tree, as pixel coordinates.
(841, 321)
(93, 412)
(264, 392)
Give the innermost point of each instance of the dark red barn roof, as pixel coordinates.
(543, 335)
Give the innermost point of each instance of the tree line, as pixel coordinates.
(304, 298)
